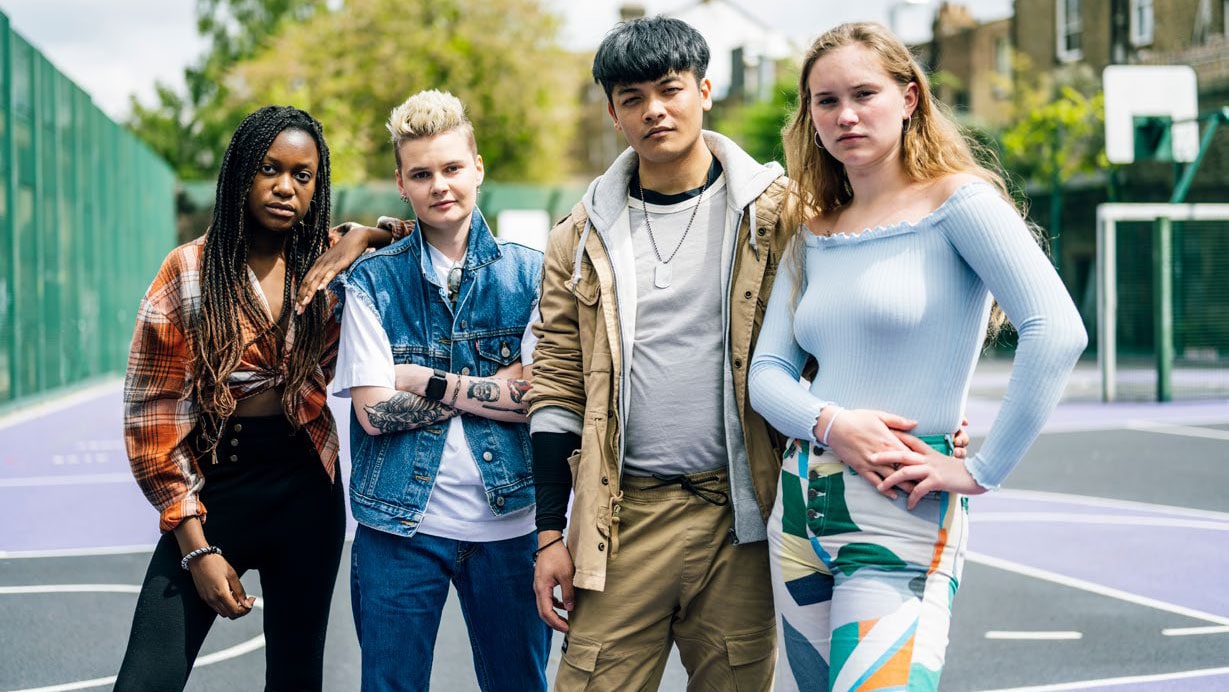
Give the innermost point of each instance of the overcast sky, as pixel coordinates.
(114, 48)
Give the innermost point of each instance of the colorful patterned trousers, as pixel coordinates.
(863, 586)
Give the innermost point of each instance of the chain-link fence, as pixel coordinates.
(1200, 308)
(86, 215)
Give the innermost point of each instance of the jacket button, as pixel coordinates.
(605, 480)
(747, 295)
(812, 514)
(464, 324)
(761, 232)
(234, 442)
(234, 457)
(738, 362)
(465, 370)
(610, 413)
(238, 427)
(601, 546)
(505, 351)
(487, 456)
(813, 475)
(812, 493)
(499, 501)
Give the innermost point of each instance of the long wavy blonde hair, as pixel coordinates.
(932, 145)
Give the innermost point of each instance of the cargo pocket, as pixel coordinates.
(579, 662)
(752, 659)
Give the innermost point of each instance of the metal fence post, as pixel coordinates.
(1162, 307)
(8, 222)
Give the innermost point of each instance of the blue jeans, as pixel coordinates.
(398, 587)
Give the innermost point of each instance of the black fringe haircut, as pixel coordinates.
(647, 49)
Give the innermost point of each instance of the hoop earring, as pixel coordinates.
(818, 145)
(908, 122)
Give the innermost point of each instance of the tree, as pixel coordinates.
(191, 130)
(1058, 125)
(757, 126)
(351, 66)
(1058, 132)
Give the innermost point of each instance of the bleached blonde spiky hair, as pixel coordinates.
(426, 114)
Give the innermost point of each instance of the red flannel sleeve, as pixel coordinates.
(159, 416)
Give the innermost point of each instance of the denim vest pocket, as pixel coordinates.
(500, 350)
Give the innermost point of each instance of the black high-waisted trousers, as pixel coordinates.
(272, 508)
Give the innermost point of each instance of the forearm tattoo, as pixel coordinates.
(406, 411)
(483, 390)
(490, 393)
(517, 390)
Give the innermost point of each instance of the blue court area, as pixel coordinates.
(1103, 567)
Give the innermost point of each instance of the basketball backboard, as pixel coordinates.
(1136, 92)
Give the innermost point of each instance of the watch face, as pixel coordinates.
(436, 386)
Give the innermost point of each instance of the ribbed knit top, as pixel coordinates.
(896, 317)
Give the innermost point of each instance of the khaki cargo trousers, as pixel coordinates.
(676, 578)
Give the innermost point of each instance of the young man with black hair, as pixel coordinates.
(653, 291)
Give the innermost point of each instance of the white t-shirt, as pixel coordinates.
(457, 508)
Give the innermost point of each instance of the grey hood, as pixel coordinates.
(746, 180)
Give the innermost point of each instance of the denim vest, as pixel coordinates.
(393, 473)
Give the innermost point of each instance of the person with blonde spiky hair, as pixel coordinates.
(434, 357)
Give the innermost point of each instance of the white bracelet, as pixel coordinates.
(199, 552)
(824, 440)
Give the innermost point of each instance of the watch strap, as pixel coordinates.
(437, 385)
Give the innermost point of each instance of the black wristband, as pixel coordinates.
(437, 385)
(539, 550)
(552, 478)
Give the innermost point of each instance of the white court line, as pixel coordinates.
(1056, 635)
(1187, 631)
(47, 481)
(77, 552)
(1093, 587)
(108, 385)
(225, 654)
(1173, 429)
(1093, 501)
(1112, 519)
(1106, 682)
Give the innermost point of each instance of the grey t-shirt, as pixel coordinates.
(675, 414)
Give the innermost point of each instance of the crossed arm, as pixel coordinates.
(499, 397)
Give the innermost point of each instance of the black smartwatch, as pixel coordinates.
(437, 385)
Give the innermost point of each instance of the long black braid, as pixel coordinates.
(227, 295)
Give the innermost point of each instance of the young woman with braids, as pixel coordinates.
(889, 289)
(225, 418)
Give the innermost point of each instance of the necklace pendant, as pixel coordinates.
(661, 276)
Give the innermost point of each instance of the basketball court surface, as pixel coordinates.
(1105, 566)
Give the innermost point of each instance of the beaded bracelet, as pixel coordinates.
(199, 552)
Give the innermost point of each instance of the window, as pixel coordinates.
(1070, 30)
(1002, 67)
(1141, 22)
(1002, 56)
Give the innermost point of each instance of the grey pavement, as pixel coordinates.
(1109, 549)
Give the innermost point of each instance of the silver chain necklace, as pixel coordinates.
(661, 273)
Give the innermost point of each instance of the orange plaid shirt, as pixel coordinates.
(160, 414)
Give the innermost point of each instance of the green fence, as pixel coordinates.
(366, 202)
(86, 215)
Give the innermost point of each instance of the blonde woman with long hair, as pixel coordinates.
(903, 239)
